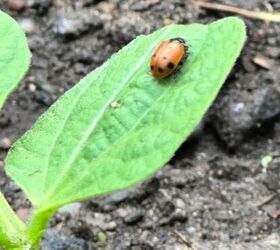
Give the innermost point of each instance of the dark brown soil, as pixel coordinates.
(215, 192)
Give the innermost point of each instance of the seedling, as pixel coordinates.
(265, 161)
(84, 146)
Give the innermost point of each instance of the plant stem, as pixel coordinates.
(37, 226)
(14, 234)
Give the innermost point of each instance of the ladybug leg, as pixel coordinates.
(187, 53)
(184, 58)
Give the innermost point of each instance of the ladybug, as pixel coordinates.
(168, 55)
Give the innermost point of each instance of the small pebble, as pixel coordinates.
(178, 215)
(111, 226)
(168, 21)
(179, 203)
(190, 230)
(32, 87)
(105, 6)
(134, 217)
(27, 25)
(72, 209)
(64, 26)
(16, 5)
(43, 98)
(5, 143)
(24, 214)
(4, 120)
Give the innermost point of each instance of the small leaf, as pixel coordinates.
(84, 146)
(101, 237)
(14, 56)
(265, 161)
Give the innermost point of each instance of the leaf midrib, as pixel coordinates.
(59, 133)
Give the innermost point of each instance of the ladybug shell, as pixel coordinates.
(167, 57)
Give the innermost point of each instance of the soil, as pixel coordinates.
(215, 191)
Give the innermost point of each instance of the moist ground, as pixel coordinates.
(215, 192)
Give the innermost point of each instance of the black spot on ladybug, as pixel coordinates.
(181, 63)
(152, 67)
(170, 65)
(160, 70)
(154, 55)
(164, 58)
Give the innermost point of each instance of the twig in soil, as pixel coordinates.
(263, 62)
(275, 214)
(183, 239)
(261, 15)
(266, 200)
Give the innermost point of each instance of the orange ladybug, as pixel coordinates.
(166, 58)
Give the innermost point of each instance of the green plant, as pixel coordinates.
(14, 56)
(118, 125)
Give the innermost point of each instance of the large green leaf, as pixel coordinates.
(85, 146)
(14, 56)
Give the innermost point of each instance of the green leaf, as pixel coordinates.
(84, 146)
(14, 56)
(11, 227)
(265, 161)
